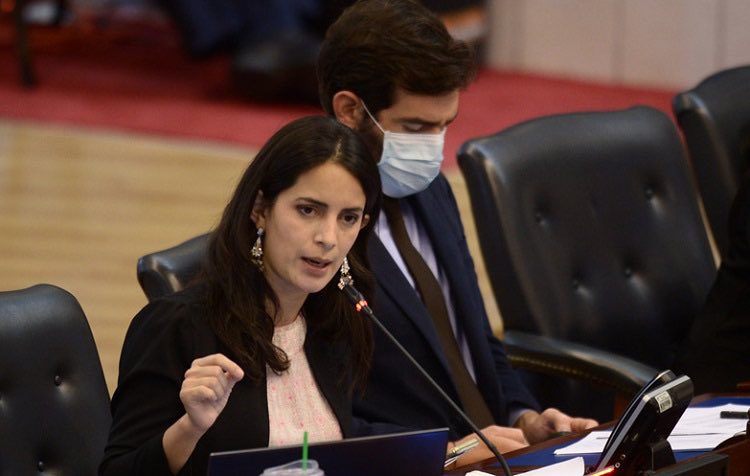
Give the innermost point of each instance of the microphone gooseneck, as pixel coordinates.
(360, 304)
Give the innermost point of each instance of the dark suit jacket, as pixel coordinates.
(161, 343)
(716, 354)
(396, 394)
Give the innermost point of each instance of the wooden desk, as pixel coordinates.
(486, 464)
(739, 460)
(737, 450)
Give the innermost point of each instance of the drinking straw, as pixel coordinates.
(304, 452)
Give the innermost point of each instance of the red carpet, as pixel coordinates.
(132, 76)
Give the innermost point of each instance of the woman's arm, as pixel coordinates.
(161, 342)
(204, 394)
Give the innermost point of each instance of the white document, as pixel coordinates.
(699, 428)
(571, 467)
(593, 443)
(703, 420)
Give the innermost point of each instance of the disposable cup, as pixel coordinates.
(295, 469)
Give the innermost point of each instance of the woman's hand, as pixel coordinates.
(206, 389)
(204, 394)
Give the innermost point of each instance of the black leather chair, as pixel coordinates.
(166, 271)
(54, 403)
(715, 119)
(591, 234)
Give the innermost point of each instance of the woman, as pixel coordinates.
(263, 346)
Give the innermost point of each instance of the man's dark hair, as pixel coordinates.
(377, 46)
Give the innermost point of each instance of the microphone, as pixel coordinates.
(360, 304)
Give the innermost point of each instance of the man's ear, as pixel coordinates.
(258, 215)
(347, 107)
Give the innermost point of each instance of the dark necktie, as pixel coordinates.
(432, 296)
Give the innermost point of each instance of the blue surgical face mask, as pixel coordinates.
(410, 161)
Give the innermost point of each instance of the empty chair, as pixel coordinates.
(715, 119)
(166, 271)
(591, 233)
(54, 403)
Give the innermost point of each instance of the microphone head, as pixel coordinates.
(355, 297)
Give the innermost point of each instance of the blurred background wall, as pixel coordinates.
(655, 43)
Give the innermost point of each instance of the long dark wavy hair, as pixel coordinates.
(237, 289)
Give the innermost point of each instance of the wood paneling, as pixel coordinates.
(669, 44)
(79, 207)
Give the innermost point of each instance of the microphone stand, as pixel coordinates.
(360, 304)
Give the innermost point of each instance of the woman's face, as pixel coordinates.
(309, 229)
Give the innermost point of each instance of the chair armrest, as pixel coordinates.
(577, 361)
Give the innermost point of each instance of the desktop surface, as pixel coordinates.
(546, 456)
(543, 454)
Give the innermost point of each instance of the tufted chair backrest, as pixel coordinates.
(169, 270)
(590, 230)
(54, 403)
(715, 119)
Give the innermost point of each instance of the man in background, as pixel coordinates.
(390, 70)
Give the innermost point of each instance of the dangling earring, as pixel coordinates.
(345, 277)
(257, 251)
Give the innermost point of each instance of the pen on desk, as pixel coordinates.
(463, 448)
(734, 415)
(558, 434)
(459, 450)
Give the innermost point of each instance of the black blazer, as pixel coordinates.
(397, 397)
(716, 355)
(161, 343)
